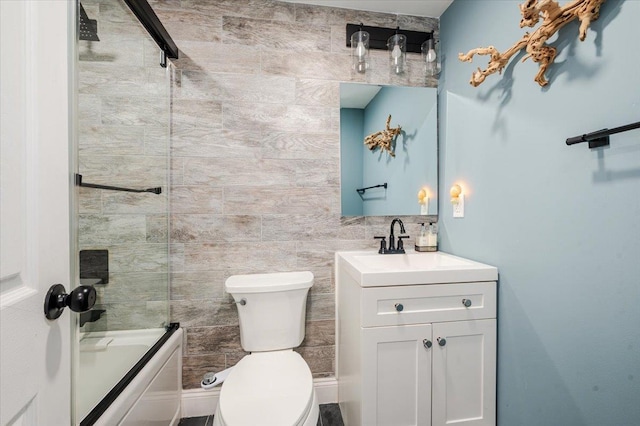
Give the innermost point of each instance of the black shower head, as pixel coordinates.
(88, 27)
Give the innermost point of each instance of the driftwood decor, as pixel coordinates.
(384, 138)
(554, 17)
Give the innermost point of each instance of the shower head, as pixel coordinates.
(88, 27)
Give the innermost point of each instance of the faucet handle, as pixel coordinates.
(400, 243)
(383, 242)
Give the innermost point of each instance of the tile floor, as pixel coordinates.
(329, 416)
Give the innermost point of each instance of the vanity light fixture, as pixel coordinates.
(397, 45)
(397, 42)
(431, 56)
(360, 50)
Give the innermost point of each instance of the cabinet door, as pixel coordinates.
(396, 376)
(464, 373)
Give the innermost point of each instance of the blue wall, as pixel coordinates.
(415, 110)
(561, 223)
(351, 151)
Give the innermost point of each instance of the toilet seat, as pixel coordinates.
(267, 388)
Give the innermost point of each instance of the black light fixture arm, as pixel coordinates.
(79, 182)
(601, 137)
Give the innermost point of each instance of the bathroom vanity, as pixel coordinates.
(416, 339)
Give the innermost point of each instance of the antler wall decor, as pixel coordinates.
(383, 139)
(554, 17)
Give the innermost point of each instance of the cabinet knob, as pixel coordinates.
(466, 302)
(427, 343)
(442, 341)
(399, 307)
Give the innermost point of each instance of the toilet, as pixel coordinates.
(273, 384)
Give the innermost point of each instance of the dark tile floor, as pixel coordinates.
(329, 416)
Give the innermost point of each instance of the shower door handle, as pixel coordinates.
(81, 299)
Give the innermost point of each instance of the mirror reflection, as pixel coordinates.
(402, 180)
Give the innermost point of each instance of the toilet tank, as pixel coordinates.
(272, 316)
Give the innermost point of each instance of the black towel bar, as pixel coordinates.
(601, 137)
(363, 190)
(79, 182)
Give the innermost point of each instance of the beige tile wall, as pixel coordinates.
(255, 162)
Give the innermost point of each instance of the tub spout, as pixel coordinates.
(91, 316)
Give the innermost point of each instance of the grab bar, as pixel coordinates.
(79, 182)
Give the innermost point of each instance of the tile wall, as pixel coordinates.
(255, 162)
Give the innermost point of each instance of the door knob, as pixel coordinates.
(81, 299)
(466, 302)
(427, 343)
(399, 307)
(442, 341)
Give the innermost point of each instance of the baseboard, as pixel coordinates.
(326, 390)
(200, 402)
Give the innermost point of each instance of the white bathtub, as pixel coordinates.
(154, 393)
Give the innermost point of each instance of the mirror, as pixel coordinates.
(374, 183)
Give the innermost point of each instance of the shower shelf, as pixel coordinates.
(601, 137)
(79, 182)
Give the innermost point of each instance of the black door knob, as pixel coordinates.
(81, 299)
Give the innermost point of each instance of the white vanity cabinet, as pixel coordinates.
(415, 354)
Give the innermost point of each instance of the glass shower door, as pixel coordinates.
(122, 236)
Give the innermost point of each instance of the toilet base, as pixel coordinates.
(311, 420)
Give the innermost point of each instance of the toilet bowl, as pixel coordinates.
(268, 388)
(272, 385)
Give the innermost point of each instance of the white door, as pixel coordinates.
(464, 373)
(34, 201)
(396, 375)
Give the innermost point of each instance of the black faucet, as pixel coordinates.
(392, 244)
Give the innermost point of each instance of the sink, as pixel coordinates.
(371, 269)
(409, 261)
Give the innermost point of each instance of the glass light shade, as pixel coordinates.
(397, 45)
(431, 57)
(360, 51)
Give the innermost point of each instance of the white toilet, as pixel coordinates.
(272, 385)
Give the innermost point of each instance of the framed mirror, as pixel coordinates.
(373, 182)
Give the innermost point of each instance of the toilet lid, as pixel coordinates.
(267, 388)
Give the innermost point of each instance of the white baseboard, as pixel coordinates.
(200, 402)
(326, 390)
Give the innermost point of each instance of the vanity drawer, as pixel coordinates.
(383, 306)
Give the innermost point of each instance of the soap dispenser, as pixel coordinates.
(422, 242)
(432, 237)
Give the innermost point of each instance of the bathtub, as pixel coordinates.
(107, 393)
